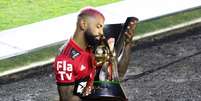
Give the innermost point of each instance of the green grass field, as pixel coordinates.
(143, 27)
(25, 59)
(168, 21)
(14, 13)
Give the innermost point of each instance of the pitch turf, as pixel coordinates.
(14, 13)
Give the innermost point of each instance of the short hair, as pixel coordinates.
(91, 12)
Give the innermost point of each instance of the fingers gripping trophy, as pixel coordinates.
(106, 85)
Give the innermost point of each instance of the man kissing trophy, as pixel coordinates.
(108, 53)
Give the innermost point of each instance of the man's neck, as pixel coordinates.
(80, 40)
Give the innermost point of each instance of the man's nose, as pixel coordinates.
(100, 32)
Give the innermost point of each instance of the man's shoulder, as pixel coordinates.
(63, 46)
(70, 54)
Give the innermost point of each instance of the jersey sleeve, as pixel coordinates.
(64, 70)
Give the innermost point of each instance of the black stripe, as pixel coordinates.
(65, 84)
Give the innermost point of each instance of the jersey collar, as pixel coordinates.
(75, 45)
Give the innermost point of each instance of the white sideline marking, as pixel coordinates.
(157, 32)
(36, 64)
(32, 65)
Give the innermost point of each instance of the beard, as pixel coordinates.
(91, 39)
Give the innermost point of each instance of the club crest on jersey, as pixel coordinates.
(74, 53)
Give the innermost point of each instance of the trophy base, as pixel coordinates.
(106, 91)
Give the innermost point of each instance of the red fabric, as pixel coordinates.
(81, 65)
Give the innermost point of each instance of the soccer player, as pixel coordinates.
(74, 66)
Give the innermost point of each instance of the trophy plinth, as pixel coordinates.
(106, 91)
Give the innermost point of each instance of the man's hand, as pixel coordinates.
(130, 30)
(87, 90)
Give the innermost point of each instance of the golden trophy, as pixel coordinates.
(106, 84)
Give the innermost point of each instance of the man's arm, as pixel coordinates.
(124, 61)
(126, 53)
(65, 84)
(66, 93)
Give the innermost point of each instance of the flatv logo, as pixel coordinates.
(65, 70)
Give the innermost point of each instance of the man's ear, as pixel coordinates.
(83, 24)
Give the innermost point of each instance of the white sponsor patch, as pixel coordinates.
(81, 87)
